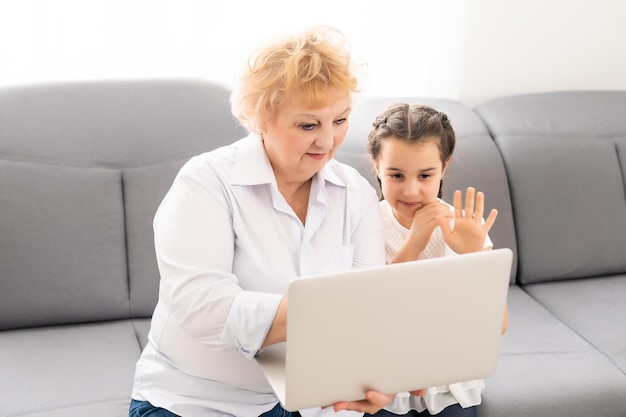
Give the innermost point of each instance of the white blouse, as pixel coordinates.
(227, 245)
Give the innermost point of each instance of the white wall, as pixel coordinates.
(469, 50)
(522, 46)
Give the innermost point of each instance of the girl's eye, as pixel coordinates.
(424, 176)
(307, 126)
(396, 176)
(340, 121)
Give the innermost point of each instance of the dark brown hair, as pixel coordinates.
(413, 124)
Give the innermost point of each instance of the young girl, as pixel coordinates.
(410, 147)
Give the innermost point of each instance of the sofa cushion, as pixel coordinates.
(474, 152)
(595, 308)
(62, 249)
(80, 370)
(547, 369)
(569, 202)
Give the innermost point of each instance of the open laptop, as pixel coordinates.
(391, 328)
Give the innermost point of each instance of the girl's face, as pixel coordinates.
(410, 175)
(300, 140)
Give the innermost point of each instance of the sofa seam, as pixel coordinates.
(75, 405)
(95, 164)
(126, 254)
(610, 136)
(619, 164)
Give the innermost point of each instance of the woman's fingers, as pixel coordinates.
(373, 402)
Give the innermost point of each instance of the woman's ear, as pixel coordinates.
(262, 127)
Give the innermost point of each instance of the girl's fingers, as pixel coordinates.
(480, 206)
(469, 201)
(490, 220)
(457, 203)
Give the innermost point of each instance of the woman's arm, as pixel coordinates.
(278, 330)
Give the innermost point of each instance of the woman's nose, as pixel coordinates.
(325, 139)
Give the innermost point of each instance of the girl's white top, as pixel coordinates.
(467, 393)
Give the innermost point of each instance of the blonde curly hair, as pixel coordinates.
(313, 67)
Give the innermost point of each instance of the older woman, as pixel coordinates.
(240, 222)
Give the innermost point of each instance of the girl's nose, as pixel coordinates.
(413, 188)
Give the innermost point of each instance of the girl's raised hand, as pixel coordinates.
(469, 231)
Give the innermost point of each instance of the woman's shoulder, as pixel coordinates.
(348, 174)
(206, 162)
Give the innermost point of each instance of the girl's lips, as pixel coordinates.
(410, 205)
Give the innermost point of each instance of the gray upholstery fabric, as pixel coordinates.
(569, 199)
(144, 188)
(595, 308)
(476, 161)
(62, 249)
(115, 123)
(545, 369)
(68, 370)
(142, 328)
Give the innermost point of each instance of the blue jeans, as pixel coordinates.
(453, 410)
(145, 409)
(279, 411)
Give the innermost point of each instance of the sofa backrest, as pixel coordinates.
(83, 167)
(475, 162)
(565, 154)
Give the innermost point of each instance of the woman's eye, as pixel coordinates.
(340, 121)
(308, 126)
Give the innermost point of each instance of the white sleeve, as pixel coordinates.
(194, 243)
(368, 238)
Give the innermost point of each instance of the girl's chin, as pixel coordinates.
(404, 217)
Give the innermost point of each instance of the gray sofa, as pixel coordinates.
(83, 167)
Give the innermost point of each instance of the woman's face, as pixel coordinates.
(300, 140)
(410, 175)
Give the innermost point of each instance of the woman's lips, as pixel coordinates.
(317, 156)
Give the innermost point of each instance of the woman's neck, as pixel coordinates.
(297, 196)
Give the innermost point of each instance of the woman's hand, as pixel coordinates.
(374, 402)
(469, 231)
